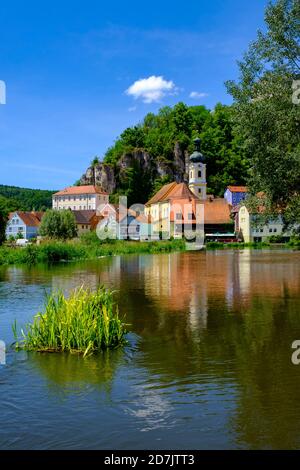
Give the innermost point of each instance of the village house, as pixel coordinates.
(23, 224)
(175, 205)
(234, 195)
(86, 220)
(252, 231)
(77, 198)
(171, 207)
(124, 223)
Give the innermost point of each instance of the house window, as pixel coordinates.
(178, 216)
(199, 190)
(20, 229)
(270, 230)
(137, 228)
(190, 216)
(261, 230)
(275, 230)
(82, 226)
(10, 229)
(74, 208)
(80, 208)
(199, 174)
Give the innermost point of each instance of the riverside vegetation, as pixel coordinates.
(87, 247)
(86, 322)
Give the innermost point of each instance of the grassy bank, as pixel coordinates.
(257, 245)
(86, 248)
(86, 322)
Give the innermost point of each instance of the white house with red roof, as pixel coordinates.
(78, 198)
(23, 224)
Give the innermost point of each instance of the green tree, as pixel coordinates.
(266, 117)
(159, 183)
(95, 161)
(226, 160)
(3, 220)
(58, 224)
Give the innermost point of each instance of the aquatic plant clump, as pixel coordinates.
(85, 322)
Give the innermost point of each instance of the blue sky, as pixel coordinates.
(73, 74)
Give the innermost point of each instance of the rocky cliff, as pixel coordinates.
(110, 177)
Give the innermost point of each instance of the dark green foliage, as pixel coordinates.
(159, 183)
(58, 224)
(95, 161)
(13, 198)
(226, 160)
(3, 220)
(266, 117)
(158, 134)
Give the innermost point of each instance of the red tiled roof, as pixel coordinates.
(216, 211)
(30, 219)
(89, 189)
(161, 195)
(181, 191)
(172, 191)
(238, 189)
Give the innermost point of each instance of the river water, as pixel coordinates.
(208, 365)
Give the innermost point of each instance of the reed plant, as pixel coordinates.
(85, 322)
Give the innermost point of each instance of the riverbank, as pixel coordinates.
(55, 251)
(257, 245)
(89, 248)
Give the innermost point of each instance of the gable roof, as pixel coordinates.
(181, 191)
(161, 194)
(30, 219)
(74, 190)
(217, 211)
(172, 191)
(84, 216)
(238, 189)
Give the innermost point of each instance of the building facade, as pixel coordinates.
(79, 198)
(234, 195)
(86, 220)
(251, 231)
(23, 224)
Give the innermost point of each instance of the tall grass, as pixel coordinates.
(55, 251)
(85, 322)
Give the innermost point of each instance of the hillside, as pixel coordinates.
(156, 151)
(15, 198)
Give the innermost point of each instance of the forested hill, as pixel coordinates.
(15, 198)
(154, 152)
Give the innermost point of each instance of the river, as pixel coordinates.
(208, 364)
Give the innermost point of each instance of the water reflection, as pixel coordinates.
(214, 332)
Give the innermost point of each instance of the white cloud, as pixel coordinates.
(151, 89)
(132, 109)
(197, 95)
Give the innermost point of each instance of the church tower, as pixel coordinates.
(197, 172)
